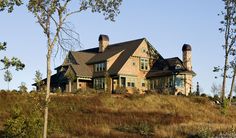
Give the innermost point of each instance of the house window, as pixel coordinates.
(143, 83)
(178, 67)
(160, 83)
(99, 67)
(99, 83)
(133, 63)
(152, 84)
(143, 50)
(131, 82)
(128, 84)
(170, 82)
(143, 64)
(179, 82)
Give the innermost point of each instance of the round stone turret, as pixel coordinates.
(187, 56)
(186, 47)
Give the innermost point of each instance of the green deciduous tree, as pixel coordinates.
(38, 78)
(20, 125)
(22, 87)
(7, 78)
(9, 4)
(15, 62)
(52, 16)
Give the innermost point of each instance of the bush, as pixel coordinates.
(180, 94)
(224, 106)
(142, 128)
(58, 90)
(121, 90)
(203, 95)
(3, 91)
(203, 133)
(15, 91)
(19, 126)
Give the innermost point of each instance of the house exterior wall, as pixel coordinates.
(111, 60)
(187, 59)
(132, 68)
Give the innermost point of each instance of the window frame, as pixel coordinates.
(100, 67)
(144, 64)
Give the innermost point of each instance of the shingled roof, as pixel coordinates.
(167, 67)
(81, 68)
(129, 47)
(126, 49)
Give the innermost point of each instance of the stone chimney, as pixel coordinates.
(187, 56)
(103, 42)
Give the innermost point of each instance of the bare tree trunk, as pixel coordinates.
(224, 78)
(227, 48)
(47, 91)
(232, 86)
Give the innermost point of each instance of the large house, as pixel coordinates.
(131, 66)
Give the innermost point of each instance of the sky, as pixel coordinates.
(167, 25)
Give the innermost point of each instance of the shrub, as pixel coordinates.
(224, 106)
(18, 125)
(204, 132)
(22, 87)
(203, 95)
(3, 91)
(15, 91)
(58, 90)
(142, 128)
(121, 90)
(199, 100)
(180, 94)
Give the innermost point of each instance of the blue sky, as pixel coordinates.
(166, 25)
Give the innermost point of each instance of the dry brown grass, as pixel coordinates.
(104, 115)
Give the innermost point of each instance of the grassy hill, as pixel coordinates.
(104, 115)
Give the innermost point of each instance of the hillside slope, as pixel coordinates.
(104, 115)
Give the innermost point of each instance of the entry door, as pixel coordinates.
(123, 81)
(114, 85)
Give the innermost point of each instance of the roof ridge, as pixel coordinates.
(128, 41)
(172, 58)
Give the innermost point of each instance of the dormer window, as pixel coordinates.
(99, 67)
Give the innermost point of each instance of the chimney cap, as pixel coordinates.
(103, 37)
(186, 47)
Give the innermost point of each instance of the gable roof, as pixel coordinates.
(125, 48)
(81, 69)
(173, 62)
(166, 67)
(129, 47)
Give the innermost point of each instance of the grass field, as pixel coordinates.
(105, 115)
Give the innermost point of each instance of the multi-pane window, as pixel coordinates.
(144, 64)
(99, 67)
(131, 82)
(99, 83)
(179, 81)
(170, 82)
